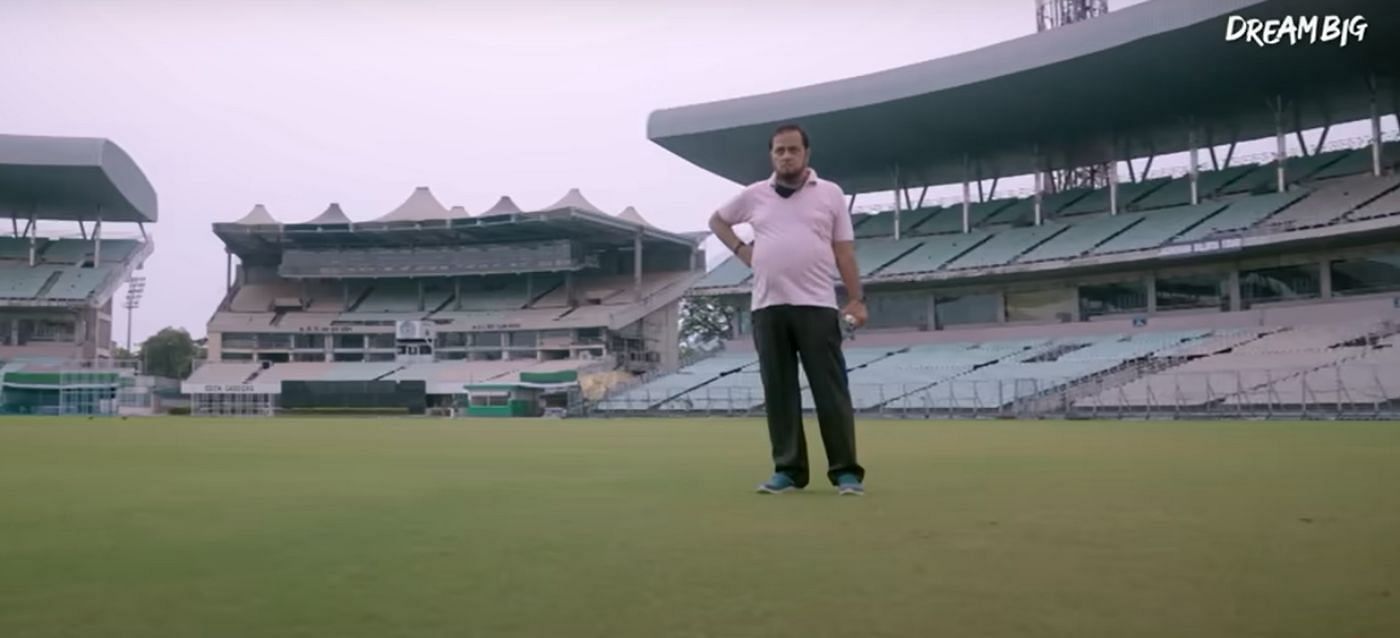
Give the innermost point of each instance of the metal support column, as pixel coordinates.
(1113, 187)
(1039, 193)
(1281, 153)
(637, 265)
(1233, 289)
(1195, 168)
(967, 203)
(97, 240)
(1375, 128)
(897, 204)
(1151, 285)
(228, 270)
(33, 231)
(1324, 277)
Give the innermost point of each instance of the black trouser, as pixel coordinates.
(781, 334)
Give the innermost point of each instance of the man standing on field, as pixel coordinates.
(802, 237)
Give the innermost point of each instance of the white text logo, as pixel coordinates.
(1295, 29)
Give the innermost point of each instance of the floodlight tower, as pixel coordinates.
(1050, 14)
(135, 287)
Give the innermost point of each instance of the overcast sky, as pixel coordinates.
(296, 104)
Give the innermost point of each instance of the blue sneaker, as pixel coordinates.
(779, 483)
(849, 485)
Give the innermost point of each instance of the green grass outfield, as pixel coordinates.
(356, 527)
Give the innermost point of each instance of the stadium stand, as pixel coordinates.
(56, 292)
(428, 295)
(1334, 199)
(1242, 214)
(1006, 246)
(934, 252)
(1080, 238)
(949, 220)
(1158, 227)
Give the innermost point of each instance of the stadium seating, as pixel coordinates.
(1242, 213)
(24, 282)
(934, 252)
(390, 296)
(76, 284)
(878, 225)
(259, 297)
(1257, 179)
(1005, 246)
(1252, 366)
(511, 296)
(949, 220)
(1302, 168)
(1226, 180)
(1176, 192)
(1352, 162)
(908, 220)
(654, 391)
(1383, 206)
(1098, 201)
(223, 373)
(871, 254)
(1333, 199)
(1157, 227)
(17, 248)
(1019, 212)
(1081, 237)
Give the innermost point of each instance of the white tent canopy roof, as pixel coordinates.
(630, 214)
(420, 206)
(257, 217)
(575, 200)
(503, 206)
(332, 215)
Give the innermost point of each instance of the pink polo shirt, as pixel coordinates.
(793, 262)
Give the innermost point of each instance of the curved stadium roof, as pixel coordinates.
(71, 178)
(1120, 85)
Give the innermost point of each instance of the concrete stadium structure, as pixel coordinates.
(1230, 285)
(56, 350)
(56, 292)
(487, 297)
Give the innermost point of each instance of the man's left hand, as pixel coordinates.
(857, 311)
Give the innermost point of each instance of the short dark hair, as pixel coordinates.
(786, 128)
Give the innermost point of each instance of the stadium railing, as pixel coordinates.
(1348, 389)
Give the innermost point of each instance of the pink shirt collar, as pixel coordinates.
(811, 177)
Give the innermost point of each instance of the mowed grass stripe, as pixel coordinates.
(363, 527)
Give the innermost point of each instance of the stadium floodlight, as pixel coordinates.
(135, 287)
(1052, 14)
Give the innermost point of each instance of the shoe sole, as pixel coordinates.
(848, 492)
(763, 489)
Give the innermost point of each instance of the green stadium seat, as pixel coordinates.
(1079, 238)
(934, 252)
(871, 254)
(24, 282)
(1158, 227)
(76, 284)
(1006, 245)
(1353, 162)
(1241, 214)
(949, 220)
